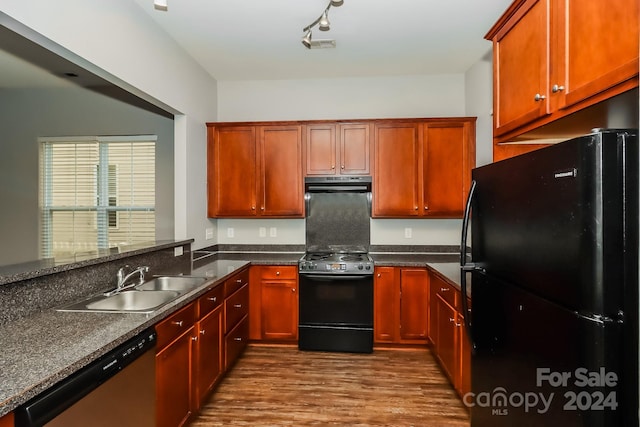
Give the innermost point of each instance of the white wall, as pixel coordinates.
(117, 40)
(479, 103)
(347, 98)
(352, 98)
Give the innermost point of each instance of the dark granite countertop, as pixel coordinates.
(38, 351)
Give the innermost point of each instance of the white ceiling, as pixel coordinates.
(261, 39)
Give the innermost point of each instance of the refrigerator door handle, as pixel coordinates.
(465, 266)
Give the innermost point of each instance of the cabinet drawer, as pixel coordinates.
(236, 307)
(447, 292)
(236, 341)
(278, 272)
(210, 301)
(236, 282)
(174, 325)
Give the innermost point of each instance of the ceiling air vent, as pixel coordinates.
(323, 44)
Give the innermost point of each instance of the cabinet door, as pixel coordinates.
(231, 171)
(465, 359)
(280, 191)
(447, 344)
(354, 149)
(173, 381)
(385, 305)
(521, 50)
(7, 420)
(396, 185)
(208, 354)
(447, 162)
(235, 342)
(321, 149)
(279, 310)
(597, 47)
(414, 304)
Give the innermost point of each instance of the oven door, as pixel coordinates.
(336, 312)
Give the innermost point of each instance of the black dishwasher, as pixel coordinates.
(117, 389)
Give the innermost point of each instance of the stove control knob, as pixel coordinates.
(360, 266)
(367, 267)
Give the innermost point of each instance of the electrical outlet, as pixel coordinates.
(208, 233)
(262, 231)
(408, 232)
(230, 232)
(273, 232)
(178, 251)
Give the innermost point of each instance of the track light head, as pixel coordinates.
(323, 23)
(306, 40)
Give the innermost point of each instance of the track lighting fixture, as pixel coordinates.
(306, 40)
(161, 5)
(322, 22)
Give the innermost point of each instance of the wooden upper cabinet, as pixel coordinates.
(255, 171)
(231, 172)
(321, 149)
(448, 157)
(280, 192)
(423, 169)
(555, 57)
(396, 183)
(338, 149)
(520, 52)
(597, 48)
(354, 145)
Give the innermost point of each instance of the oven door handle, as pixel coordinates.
(334, 277)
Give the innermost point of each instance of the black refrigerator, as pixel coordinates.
(553, 320)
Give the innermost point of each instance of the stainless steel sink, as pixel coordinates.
(133, 301)
(172, 283)
(145, 298)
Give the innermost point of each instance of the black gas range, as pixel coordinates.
(336, 273)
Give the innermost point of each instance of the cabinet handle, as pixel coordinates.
(452, 320)
(379, 275)
(262, 208)
(333, 167)
(293, 289)
(415, 208)
(445, 289)
(277, 273)
(539, 97)
(556, 88)
(237, 306)
(214, 299)
(342, 167)
(237, 339)
(201, 331)
(238, 280)
(178, 323)
(194, 338)
(253, 208)
(426, 208)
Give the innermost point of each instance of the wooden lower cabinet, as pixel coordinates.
(236, 321)
(209, 353)
(274, 303)
(174, 354)
(401, 305)
(196, 345)
(447, 333)
(7, 420)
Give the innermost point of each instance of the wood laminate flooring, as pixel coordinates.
(282, 386)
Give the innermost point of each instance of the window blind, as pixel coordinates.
(96, 193)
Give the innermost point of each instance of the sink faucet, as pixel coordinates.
(123, 278)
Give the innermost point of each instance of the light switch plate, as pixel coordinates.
(208, 233)
(273, 232)
(408, 232)
(230, 232)
(262, 231)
